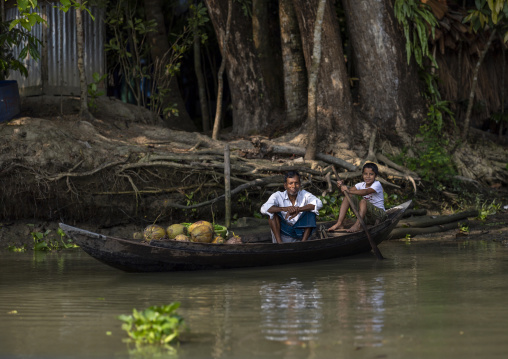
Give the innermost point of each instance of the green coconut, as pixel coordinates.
(154, 232)
(220, 230)
(175, 229)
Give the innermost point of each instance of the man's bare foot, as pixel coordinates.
(335, 227)
(355, 228)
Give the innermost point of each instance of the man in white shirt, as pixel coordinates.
(292, 212)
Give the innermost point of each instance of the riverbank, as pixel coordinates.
(125, 170)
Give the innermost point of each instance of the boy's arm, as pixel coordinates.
(361, 192)
(354, 190)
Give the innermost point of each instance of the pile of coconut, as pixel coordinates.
(200, 231)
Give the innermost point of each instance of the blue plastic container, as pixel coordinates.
(9, 100)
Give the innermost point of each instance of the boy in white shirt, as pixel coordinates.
(371, 207)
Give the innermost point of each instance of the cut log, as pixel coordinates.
(414, 212)
(398, 233)
(428, 221)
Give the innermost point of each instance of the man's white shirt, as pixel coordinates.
(281, 199)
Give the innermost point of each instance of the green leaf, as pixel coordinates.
(23, 5)
(491, 4)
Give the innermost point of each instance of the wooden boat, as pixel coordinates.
(165, 256)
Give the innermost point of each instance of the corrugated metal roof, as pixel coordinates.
(56, 73)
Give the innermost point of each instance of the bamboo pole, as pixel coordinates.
(227, 184)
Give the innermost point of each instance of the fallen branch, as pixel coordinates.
(467, 179)
(179, 157)
(238, 189)
(292, 150)
(428, 221)
(155, 164)
(392, 164)
(266, 167)
(83, 174)
(159, 190)
(398, 233)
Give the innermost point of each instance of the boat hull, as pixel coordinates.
(135, 256)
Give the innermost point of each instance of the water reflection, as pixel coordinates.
(361, 309)
(291, 312)
(371, 302)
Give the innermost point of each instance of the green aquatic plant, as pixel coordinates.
(40, 240)
(486, 209)
(463, 228)
(154, 325)
(43, 242)
(13, 248)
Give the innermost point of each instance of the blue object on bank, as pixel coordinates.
(9, 100)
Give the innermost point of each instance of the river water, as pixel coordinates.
(426, 300)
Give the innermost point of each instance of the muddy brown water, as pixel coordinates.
(428, 299)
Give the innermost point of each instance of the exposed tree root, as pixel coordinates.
(78, 170)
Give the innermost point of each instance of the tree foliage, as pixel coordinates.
(416, 19)
(11, 38)
(489, 14)
(27, 18)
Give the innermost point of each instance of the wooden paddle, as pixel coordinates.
(373, 244)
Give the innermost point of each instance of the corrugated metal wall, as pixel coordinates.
(56, 73)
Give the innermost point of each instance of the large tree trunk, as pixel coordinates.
(334, 105)
(310, 153)
(159, 46)
(83, 110)
(267, 47)
(388, 90)
(293, 62)
(251, 100)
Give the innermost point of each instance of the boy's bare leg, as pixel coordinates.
(362, 211)
(342, 214)
(306, 234)
(275, 227)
